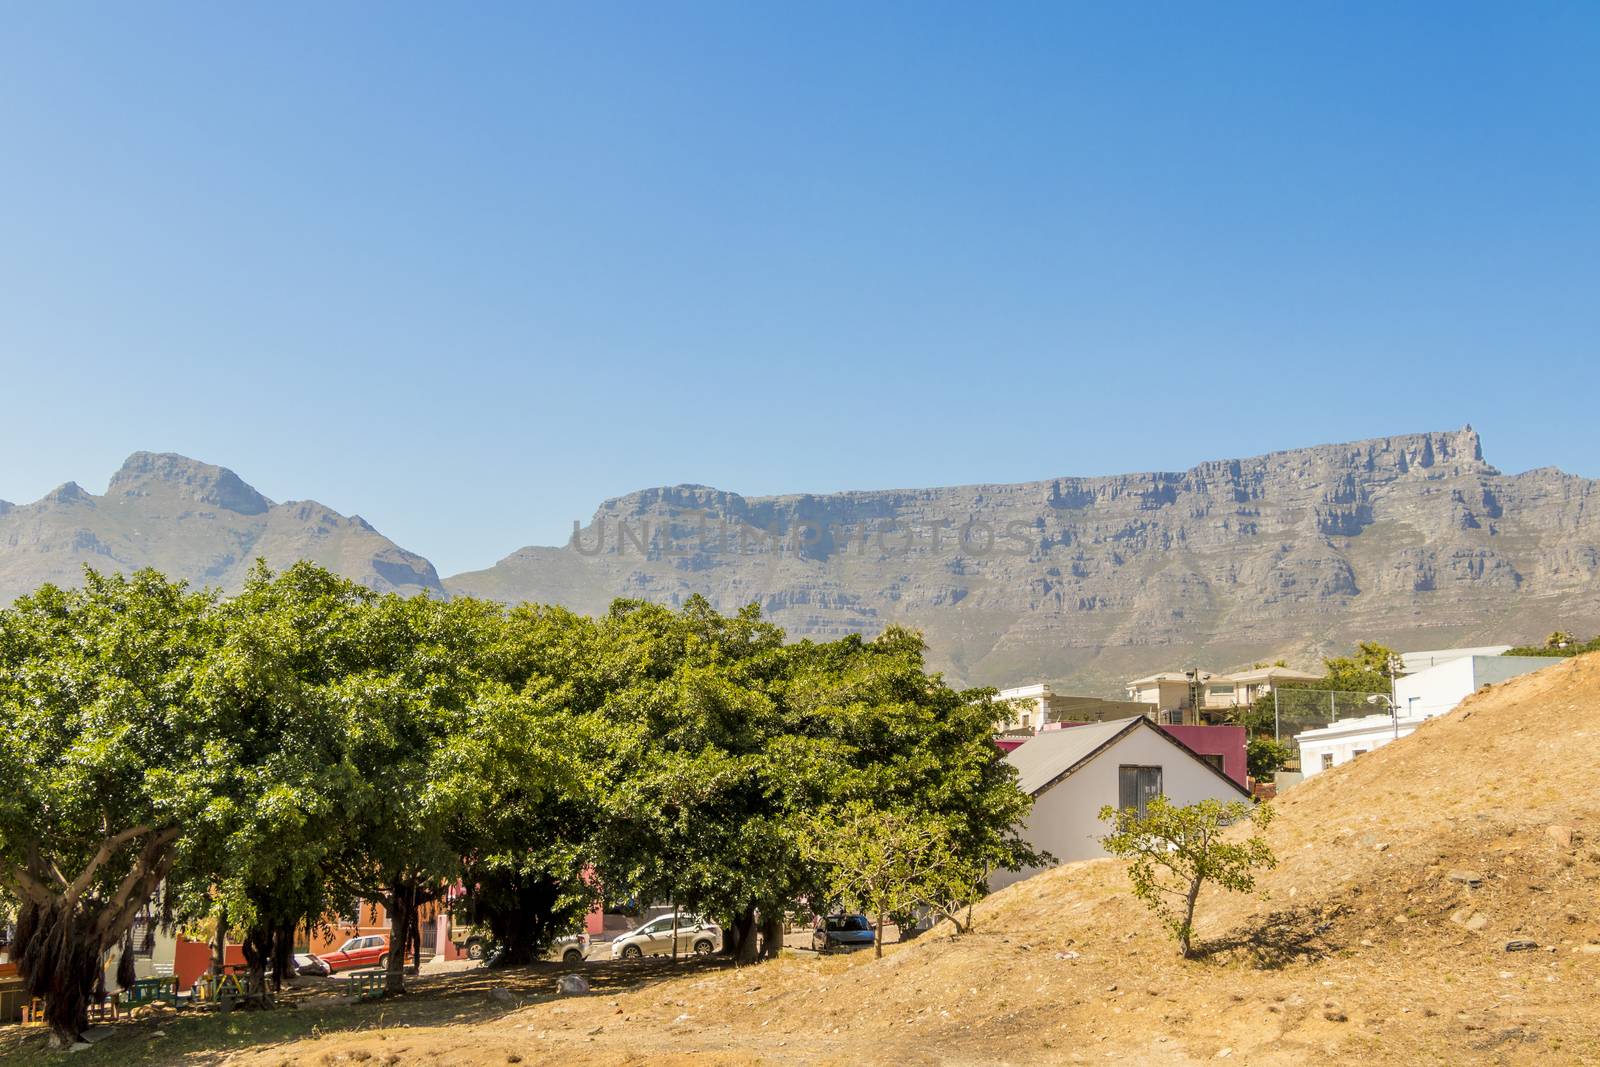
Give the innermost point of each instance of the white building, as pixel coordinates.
(1030, 704)
(1072, 773)
(1417, 662)
(1418, 697)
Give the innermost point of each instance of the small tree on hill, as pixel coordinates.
(1176, 850)
(886, 862)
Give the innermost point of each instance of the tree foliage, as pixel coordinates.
(1560, 643)
(886, 863)
(271, 759)
(1177, 850)
(1265, 756)
(1370, 670)
(108, 765)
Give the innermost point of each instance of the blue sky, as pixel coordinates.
(468, 270)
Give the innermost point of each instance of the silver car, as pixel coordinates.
(699, 936)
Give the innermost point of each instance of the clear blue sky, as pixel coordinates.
(468, 269)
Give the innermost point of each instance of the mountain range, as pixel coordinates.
(1415, 540)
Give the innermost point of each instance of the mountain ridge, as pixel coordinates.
(195, 521)
(1082, 581)
(1293, 553)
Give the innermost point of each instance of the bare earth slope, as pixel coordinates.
(1362, 947)
(1414, 539)
(190, 520)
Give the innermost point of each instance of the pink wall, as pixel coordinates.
(1224, 741)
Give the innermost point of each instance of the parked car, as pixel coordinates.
(474, 943)
(308, 964)
(699, 936)
(367, 950)
(479, 944)
(569, 950)
(842, 932)
(313, 965)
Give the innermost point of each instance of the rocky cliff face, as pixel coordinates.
(190, 520)
(1084, 582)
(1415, 540)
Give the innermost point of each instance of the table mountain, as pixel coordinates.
(1415, 540)
(190, 520)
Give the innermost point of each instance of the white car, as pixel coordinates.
(695, 935)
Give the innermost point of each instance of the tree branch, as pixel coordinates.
(150, 859)
(107, 848)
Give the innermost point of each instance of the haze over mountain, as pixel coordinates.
(1415, 540)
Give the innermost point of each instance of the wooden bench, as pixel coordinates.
(368, 985)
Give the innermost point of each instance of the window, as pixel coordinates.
(1358, 752)
(1327, 761)
(1137, 786)
(1215, 759)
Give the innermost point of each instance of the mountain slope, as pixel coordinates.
(190, 520)
(1414, 539)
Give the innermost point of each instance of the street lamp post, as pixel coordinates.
(1394, 710)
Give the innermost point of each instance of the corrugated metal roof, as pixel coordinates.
(1049, 753)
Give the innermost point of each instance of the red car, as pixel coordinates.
(368, 950)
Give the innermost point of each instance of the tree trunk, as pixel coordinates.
(1186, 932)
(219, 944)
(283, 965)
(771, 933)
(126, 973)
(877, 938)
(257, 948)
(746, 925)
(59, 960)
(400, 910)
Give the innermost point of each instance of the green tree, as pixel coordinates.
(1177, 850)
(885, 863)
(1265, 756)
(109, 767)
(1370, 670)
(524, 792)
(287, 643)
(413, 691)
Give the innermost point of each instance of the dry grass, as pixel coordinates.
(1361, 946)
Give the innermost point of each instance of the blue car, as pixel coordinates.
(841, 932)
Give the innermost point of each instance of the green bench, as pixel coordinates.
(368, 985)
(150, 991)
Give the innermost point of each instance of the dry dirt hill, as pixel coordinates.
(1365, 944)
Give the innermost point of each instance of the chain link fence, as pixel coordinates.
(1299, 710)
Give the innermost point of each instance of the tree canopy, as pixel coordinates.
(267, 760)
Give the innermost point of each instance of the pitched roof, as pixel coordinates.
(1050, 753)
(1053, 754)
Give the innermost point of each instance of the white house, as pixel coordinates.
(1416, 662)
(1439, 689)
(1418, 697)
(1072, 773)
